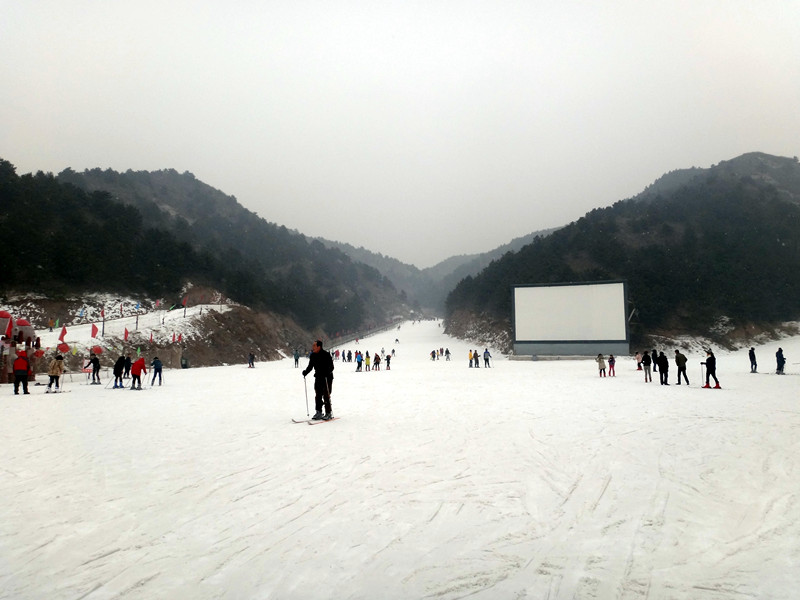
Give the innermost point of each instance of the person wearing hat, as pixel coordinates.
(55, 370)
(711, 369)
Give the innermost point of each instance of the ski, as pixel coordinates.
(313, 421)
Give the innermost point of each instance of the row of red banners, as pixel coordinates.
(95, 331)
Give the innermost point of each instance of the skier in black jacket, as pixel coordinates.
(321, 362)
(119, 369)
(95, 364)
(781, 360)
(663, 368)
(711, 369)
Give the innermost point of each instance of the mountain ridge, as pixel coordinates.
(696, 247)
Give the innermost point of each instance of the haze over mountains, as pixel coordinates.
(696, 246)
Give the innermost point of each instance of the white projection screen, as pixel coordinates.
(571, 319)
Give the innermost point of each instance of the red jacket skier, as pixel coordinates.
(137, 368)
(21, 367)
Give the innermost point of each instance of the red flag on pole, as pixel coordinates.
(151, 337)
(103, 312)
(184, 300)
(10, 328)
(63, 334)
(94, 330)
(120, 309)
(173, 337)
(158, 302)
(180, 337)
(126, 334)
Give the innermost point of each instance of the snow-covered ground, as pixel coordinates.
(526, 480)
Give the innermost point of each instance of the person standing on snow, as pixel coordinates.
(21, 367)
(157, 366)
(322, 364)
(711, 369)
(781, 360)
(119, 369)
(486, 357)
(601, 365)
(680, 362)
(646, 362)
(137, 368)
(55, 370)
(95, 362)
(663, 368)
(753, 364)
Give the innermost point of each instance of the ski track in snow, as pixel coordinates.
(527, 480)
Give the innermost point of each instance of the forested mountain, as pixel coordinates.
(696, 246)
(429, 287)
(151, 232)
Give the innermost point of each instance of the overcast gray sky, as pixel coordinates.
(419, 130)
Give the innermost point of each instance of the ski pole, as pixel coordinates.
(305, 385)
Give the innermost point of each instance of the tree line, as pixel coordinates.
(66, 239)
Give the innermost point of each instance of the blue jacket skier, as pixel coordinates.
(157, 366)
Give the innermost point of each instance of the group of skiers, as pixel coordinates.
(439, 352)
(374, 363)
(601, 365)
(474, 358)
(123, 367)
(658, 362)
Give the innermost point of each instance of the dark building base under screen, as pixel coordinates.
(571, 348)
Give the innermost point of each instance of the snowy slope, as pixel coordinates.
(121, 313)
(527, 480)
